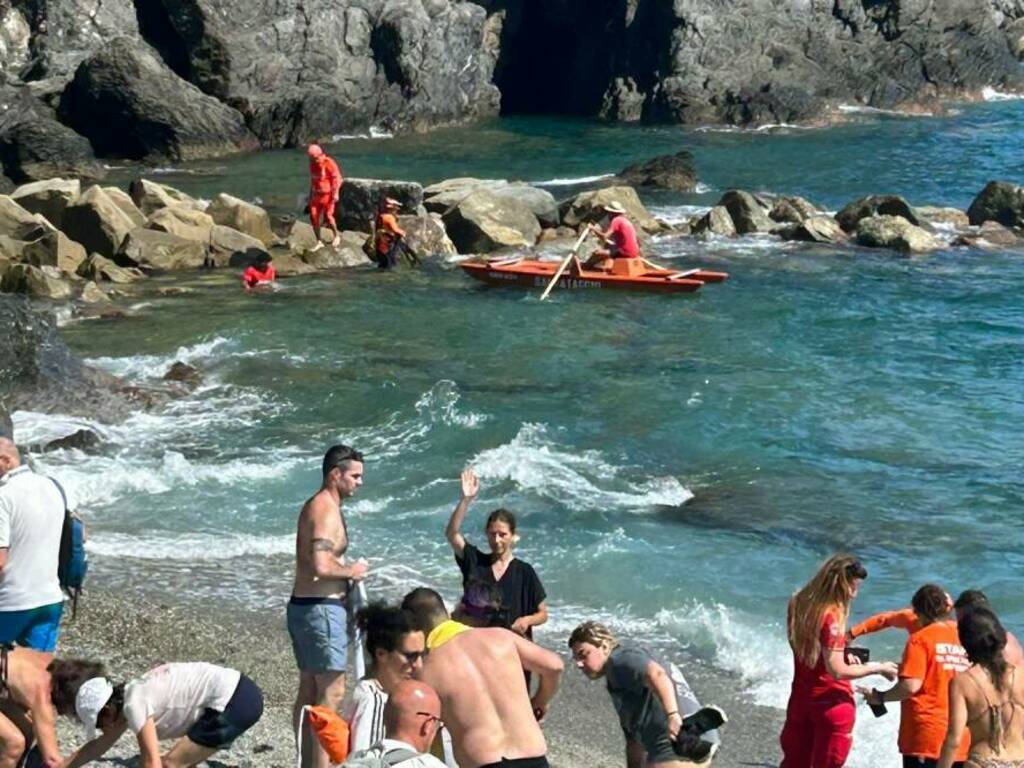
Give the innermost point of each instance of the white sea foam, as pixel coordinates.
(861, 109)
(677, 214)
(191, 547)
(535, 463)
(991, 94)
(571, 181)
(375, 132)
(702, 188)
(141, 367)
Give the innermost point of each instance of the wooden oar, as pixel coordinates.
(565, 263)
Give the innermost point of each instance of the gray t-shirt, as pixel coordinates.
(640, 712)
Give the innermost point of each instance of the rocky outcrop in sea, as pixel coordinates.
(181, 79)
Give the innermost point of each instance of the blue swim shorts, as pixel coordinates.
(35, 628)
(318, 627)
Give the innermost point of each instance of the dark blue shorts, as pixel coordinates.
(217, 730)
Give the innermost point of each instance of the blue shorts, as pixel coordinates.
(217, 730)
(35, 628)
(318, 627)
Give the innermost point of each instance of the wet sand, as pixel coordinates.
(132, 635)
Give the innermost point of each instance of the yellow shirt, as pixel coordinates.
(444, 632)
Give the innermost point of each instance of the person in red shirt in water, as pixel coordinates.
(259, 275)
(324, 190)
(620, 239)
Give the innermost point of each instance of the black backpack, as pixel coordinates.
(72, 562)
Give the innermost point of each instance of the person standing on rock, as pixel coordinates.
(317, 615)
(619, 238)
(32, 511)
(324, 189)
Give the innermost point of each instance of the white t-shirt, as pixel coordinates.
(365, 714)
(175, 696)
(31, 519)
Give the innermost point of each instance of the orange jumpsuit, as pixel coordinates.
(324, 184)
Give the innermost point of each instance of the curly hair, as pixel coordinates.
(384, 626)
(595, 633)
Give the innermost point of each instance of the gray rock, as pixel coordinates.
(11, 249)
(97, 222)
(100, 268)
(152, 250)
(185, 373)
(19, 224)
(540, 202)
(999, 201)
(41, 282)
(55, 249)
(817, 229)
(93, 294)
(150, 197)
(124, 201)
(485, 222)
(48, 198)
(348, 254)
(427, 236)
(622, 101)
(746, 211)
(952, 217)
(876, 205)
(894, 232)
(792, 208)
(360, 198)
(183, 222)
(717, 221)
(991, 235)
(226, 243)
(675, 172)
(128, 103)
(588, 207)
(243, 216)
(79, 440)
(299, 238)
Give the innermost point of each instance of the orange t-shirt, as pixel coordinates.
(933, 655)
(905, 618)
(387, 228)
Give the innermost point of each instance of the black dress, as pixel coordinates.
(498, 603)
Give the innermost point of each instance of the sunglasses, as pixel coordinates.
(411, 657)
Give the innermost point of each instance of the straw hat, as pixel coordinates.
(614, 207)
(390, 202)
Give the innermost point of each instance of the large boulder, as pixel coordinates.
(48, 198)
(675, 172)
(460, 185)
(349, 253)
(299, 237)
(817, 229)
(485, 222)
(183, 222)
(427, 236)
(150, 196)
(999, 201)
(439, 198)
(55, 249)
(129, 103)
(226, 243)
(791, 208)
(746, 211)
(124, 201)
(876, 205)
(19, 224)
(93, 294)
(588, 207)
(11, 249)
(41, 282)
(540, 202)
(101, 269)
(35, 146)
(97, 222)
(360, 198)
(990, 236)
(717, 221)
(948, 217)
(245, 217)
(158, 251)
(894, 232)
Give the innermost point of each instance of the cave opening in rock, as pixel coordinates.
(156, 28)
(555, 57)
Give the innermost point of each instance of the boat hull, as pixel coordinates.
(537, 274)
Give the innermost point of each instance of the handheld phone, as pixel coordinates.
(863, 654)
(878, 709)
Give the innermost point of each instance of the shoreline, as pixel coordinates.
(132, 634)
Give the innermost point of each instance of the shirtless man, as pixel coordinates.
(317, 618)
(478, 673)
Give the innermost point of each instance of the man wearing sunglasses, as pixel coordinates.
(411, 719)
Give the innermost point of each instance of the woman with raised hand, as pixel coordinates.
(988, 698)
(396, 648)
(818, 732)
(513, 594)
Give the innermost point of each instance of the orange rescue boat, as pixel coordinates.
(625, 275)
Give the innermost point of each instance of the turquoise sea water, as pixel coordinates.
(679, 464)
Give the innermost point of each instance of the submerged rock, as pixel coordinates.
(79, 440)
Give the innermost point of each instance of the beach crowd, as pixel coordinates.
(469, 688)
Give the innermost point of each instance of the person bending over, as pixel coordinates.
(932, 657)
(645, 699)
(28, 705)
(478, 674)
(818, 732)
(396, 648)
(988, 698)
(203, 706)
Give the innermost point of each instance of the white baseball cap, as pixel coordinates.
(92, 696)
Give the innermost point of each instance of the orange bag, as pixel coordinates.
(331, 731)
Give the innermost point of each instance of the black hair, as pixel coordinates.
(856, 570)
(502, 515)
(930, 603)
(66, 677)
(984, 638)
(384, 626)
(971, 598)
(339, 456)
(426, 607)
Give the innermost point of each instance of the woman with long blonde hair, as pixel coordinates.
(819, 719)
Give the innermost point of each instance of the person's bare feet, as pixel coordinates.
(336, 241)
(316, 247)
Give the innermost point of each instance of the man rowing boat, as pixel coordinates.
(619, 238)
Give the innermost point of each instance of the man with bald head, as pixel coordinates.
(31, 519)
(411, 719)
(478, 674)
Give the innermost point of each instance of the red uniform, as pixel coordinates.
(253, 276)
(819, 719)
(623, 236)
(324, 183)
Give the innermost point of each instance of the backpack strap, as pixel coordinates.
(60, 489)
(399, 755)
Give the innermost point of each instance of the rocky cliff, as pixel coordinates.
(187, 78)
